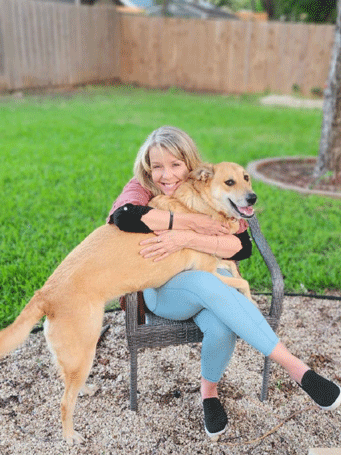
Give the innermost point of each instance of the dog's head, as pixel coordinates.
(228, 187)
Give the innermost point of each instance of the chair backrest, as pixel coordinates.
(276, 274)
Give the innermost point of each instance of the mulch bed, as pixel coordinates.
(300, 173)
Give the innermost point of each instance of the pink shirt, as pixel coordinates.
(135, 193)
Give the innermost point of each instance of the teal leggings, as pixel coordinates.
(221, 313)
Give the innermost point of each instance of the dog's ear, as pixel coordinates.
(203, 173)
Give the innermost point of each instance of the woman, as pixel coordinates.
(162, 164)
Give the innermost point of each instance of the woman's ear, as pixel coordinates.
(202, 173)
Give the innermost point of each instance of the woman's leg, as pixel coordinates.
(218, 341)
(294, 366)
(237, 313)
(178, 302)
(189, 292)
(220, 312)
(172, 302)
(217, 349)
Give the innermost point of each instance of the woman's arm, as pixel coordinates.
(131, 214)
(221, 246)
(158, 220)
(136, 218)
(236, 247)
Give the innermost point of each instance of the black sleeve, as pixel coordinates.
(128, 218)
(246, 250)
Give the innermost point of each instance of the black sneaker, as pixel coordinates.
(325, 393)
(215, 417)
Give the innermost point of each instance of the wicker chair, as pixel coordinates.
(156, 331)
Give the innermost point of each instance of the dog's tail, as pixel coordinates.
(16, 333)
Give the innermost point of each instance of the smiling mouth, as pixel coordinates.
(170, 185)
(244, 212)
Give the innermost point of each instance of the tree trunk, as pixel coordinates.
(269, 7)
(164, 10)
(329, 158)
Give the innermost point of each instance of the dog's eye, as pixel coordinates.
(230, 182)
(246, 178)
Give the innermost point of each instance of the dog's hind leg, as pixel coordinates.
(73, 343)
(74, 378)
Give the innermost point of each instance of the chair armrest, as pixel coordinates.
(276, 275)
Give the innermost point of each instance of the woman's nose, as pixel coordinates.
(166, 172)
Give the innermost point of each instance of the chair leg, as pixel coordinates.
(133, 379)
(266, 376)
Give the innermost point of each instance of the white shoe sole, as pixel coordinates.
(215, 436)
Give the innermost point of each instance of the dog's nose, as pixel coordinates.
(251, 199)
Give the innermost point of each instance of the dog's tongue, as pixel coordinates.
(248, 211)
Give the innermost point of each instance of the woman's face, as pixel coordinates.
(168, 172)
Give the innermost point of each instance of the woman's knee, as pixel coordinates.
(215, 330)
(221, 336)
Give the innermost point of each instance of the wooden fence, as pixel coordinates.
(225, 56)
(51, 44)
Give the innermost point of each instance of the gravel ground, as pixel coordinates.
(169, 420)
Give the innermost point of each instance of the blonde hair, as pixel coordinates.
(169, 138)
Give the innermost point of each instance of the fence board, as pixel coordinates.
(15, 61)
(48, 43)
(257, 76)
(238, 49)
(5, 74)
(168, 51)
(225, 56)
(220, 55)
(114, 40)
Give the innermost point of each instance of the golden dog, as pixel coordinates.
(107, 264)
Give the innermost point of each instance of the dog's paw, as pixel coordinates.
(74, 438)
(89, 390)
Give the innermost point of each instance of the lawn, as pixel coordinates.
(64, 159)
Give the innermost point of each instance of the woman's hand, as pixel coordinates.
(165, 243)
(204, 224)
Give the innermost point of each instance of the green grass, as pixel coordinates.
(65, 159)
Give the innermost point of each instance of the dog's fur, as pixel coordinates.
(107, 264)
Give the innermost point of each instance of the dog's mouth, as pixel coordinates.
(244, 212)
